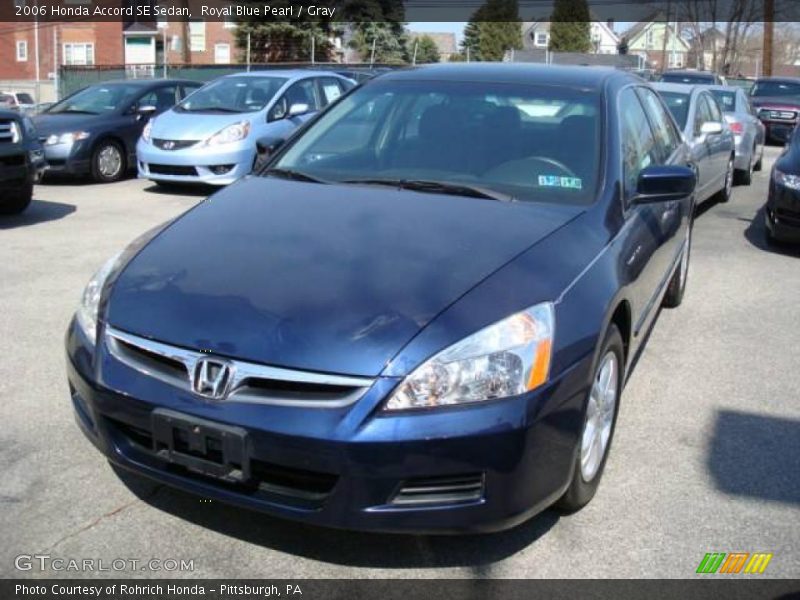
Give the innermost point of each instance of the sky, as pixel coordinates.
(458, 28)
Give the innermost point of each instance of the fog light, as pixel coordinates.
(220, 169)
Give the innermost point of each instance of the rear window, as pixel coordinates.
(687, 78)
(776, 88)
(25, 98)
(726, 100)
(678, 105)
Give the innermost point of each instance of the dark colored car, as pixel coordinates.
(21, 162)
(419, 316)
(777, 103)
(782, 211)
(691, 77)
(94, 131)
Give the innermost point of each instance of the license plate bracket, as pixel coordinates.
(201, 446)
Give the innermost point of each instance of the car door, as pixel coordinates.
(700, 150)
(280, 123)
(647, 233)
(720, 144)
(752, 118)
(162, 98)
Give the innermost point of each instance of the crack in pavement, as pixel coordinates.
(105, 516)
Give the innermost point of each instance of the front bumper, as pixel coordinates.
(347, 467)
(20, 167)
(782, 213)
(196, 164)
(69, 159)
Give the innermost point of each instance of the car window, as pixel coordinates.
(301, 92)
(531, 142)
(702, 113)
(330, 90)
(639, 147)
(678, 105)
(713, 107)
(25, 98)
(233, 94)
(97, 99)
(162, 98)
(188, 88)
(667, 136)
(775, 88)
(726, 100)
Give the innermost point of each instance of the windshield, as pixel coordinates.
(687, 78)
(726, 100)
(96, 100)
(521, 142)
(678, 105)
(233, 95)
(776, 88)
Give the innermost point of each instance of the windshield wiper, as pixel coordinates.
(293, 174)
(439, 187)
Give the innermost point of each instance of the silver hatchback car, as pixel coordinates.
(211, 136)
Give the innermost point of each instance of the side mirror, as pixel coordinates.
(145, 111)
(663, 184)
(299, 108)
(711, 128)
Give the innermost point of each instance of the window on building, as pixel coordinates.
(542, 38)
(222, 54)
(650, 38)
(22, 50)
(197, 36)
(78, 54)
(175, 43)
(229, 24)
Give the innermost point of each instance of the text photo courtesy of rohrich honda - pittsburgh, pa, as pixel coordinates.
(399, 298)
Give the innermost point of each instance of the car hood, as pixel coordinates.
(328, 278)
(775, 101)
(174, 125)
(62, 123)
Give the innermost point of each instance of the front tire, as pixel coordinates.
(602, 407)
(727, 188)
(108, 162)
(677, 285)
(18, 201)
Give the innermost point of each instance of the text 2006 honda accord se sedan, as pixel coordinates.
(418, 317)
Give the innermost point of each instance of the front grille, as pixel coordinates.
(778, 115)
(440, 490)
(172, 170)
(250, 382)
(267, 479)
(173, 144)
(7, 131)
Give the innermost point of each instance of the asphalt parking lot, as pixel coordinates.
(706, 456)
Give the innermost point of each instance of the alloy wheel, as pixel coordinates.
(599, 416)
(109, 162)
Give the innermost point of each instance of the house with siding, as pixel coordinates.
(659, 43)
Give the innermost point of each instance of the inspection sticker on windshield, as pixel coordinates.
(574, 183)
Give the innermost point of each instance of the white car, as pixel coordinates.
(21, 101)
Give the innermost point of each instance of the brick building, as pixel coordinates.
(85, 43)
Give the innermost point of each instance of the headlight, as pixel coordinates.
(90, 301)
(505, 359)
(66, 138)
(787, 180)
(146, 131)
(16, 133)
(232, 133)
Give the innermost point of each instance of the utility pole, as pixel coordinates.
(416, 45)
(312, 47)
(55, 61)
(164, 45)
(36, 54)
(372, 54)
(467, 53)
(769, 31)
(248, 51)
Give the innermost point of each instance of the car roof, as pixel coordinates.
(786, 79)
(683, 88)
(567, 76)
(722, 88)
(284, 73)
(689, 72)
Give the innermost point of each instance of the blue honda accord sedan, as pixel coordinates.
(418, 316)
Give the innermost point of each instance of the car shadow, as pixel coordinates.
(756, 456)
(177, 189)
(351, 548)
(39, 211)
(756, 234)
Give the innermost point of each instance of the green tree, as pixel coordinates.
(284, 41)
(378, 21)
(493, 29)
(427, 51)
(569, 27)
